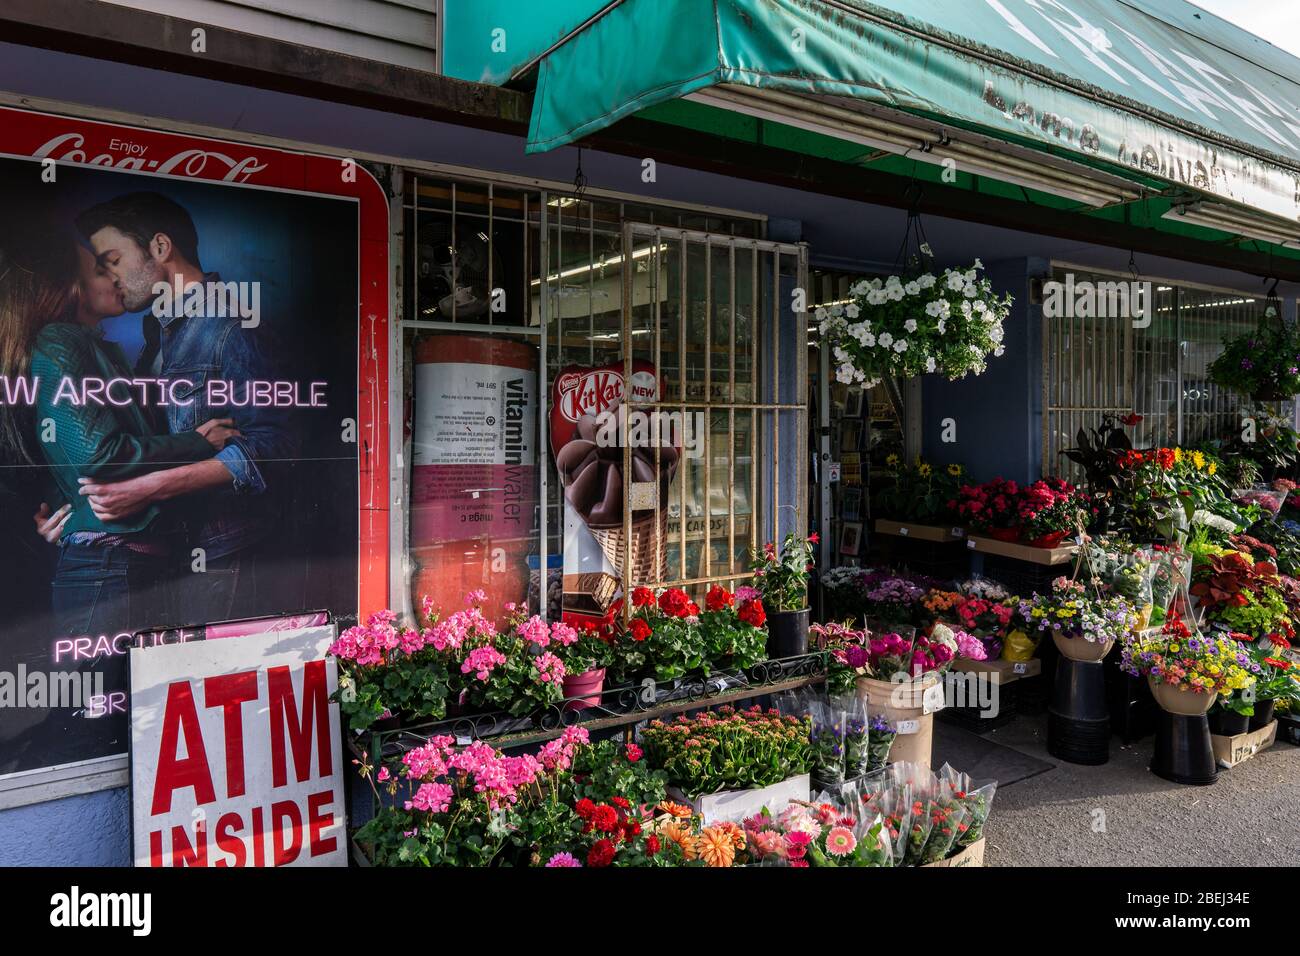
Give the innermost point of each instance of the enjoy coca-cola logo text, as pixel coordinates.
(69, 148)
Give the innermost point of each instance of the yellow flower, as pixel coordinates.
(715, 847)
(1212, 468)
(1178, 455)
(924, 469)
(1198, 459)
(891, 461)
(954, 470)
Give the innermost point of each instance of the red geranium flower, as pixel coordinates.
(718, 598)
(605, 818)
(601, 853)
(675, 602)
(752, 613)
(643, 597)
(640, 629)
(633, 753)
(621, 802)
(584, 808)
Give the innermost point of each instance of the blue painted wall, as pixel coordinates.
(92, 829)
(997, 416)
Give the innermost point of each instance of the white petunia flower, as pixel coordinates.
(979, 305)
(912, 287)
(996, 335)
(844, 373)
(820, 314)
(926, 281)
(930, 364)
(955, 281)
(978, 264)
(852, 310)
(969, 290)
(900, 346)
(942, 326)
(910, 325)
(999, 350)
(869, 340)
(885, 340)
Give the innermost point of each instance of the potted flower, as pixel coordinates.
(585, 662)
(1274, 682)
(990, 508)
(903, 327)
(1186, 670)
(892, 599)
(1084, 627)
(782, 581)
(386, 670)
(709, 756)
(662, 637)
(1049, 510)
(920, 492)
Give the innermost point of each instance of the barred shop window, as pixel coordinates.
(523, 309)
(1102, 364)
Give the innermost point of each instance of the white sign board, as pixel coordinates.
(236, 754)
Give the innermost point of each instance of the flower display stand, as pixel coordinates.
(1061, 554)
(1078, 720)
(1230, 751)
(735, 805)
(1183, 751)
(919, 532)
(1008, 680)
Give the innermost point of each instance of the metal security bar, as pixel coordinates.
(1096, 365)
(698, 281)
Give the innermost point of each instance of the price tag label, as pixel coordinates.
(462, 740)
(908, 726)
(957, 532)
(933, 699)
(1020, 668)
(970, 543)
(903, 532)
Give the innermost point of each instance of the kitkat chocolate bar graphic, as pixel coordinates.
(589, 458)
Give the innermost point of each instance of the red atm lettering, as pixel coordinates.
(176, 773)
(284, 718)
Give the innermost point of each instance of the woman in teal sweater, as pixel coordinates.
(111, 577)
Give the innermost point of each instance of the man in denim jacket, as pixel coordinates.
(228, 504)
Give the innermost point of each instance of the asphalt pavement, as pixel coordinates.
(1121, 814)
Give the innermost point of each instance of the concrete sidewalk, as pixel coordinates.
(1121, 814)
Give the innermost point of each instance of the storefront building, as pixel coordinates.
(742, 170)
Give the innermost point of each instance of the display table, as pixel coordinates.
(919, 532)
(1062, 554)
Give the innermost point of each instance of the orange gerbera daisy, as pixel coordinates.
(675, 809)
(734, 832)
(680, 835)
(715, 847)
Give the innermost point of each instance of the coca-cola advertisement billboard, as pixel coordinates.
(192, 362)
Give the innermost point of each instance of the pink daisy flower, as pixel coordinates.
(840, 841)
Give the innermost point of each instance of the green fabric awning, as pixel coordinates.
(1158, 90)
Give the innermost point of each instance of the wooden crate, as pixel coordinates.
(919, 532)
(1230, 751)
(1000, 671)
(1022, 552)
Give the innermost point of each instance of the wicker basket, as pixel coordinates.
(649, 552)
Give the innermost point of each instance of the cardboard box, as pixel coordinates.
(1022, 552)
(920, 532)
(736, 805)
(1230, 751)
(973, 855)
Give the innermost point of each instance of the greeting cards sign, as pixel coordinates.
(235, 753)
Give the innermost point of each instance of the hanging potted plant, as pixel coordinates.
(900, 327)
(782, 581)
(1187, 671)
(1264, 364)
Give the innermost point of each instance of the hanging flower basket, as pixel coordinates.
(945, 324)
(1264, 364)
